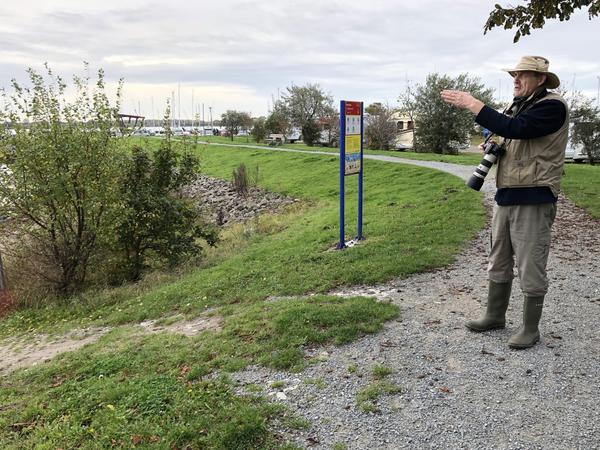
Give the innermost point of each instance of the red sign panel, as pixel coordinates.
(352, 108)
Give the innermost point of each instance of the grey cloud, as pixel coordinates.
(369, 48)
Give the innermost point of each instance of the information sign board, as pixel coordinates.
(351, 157)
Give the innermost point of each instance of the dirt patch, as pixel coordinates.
(28, 352)
(17, 354)
(189, 328)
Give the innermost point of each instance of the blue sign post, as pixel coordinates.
(351, 158)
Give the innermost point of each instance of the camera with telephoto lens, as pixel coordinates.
(492, 152)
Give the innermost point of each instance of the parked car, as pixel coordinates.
(575, 153)
(404, 140)
(293, 136)
(275, 139)
(179, 131)
(580, 155)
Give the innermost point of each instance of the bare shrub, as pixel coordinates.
(241, 180)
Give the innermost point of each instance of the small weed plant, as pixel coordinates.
(367, 397)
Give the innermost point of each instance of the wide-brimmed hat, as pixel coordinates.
(537, 64)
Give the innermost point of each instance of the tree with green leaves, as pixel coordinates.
(380, 128)
(439, 127)
(58, 188)
(534, 13)
(585, 122)
(235, 121)
(376, 108)
(303, 106)
(586, 128)
(311, 132)
(259, 129)
(277, 122)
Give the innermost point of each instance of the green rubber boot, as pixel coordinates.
(529, 333)
(498, 297)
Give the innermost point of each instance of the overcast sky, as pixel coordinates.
(238, 54)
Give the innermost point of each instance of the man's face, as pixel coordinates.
(524, 83)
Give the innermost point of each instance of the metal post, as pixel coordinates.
(342, 243)
(359, 235)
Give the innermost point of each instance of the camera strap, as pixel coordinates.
(518, 106)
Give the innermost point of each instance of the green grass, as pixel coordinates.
(581, 184)
(367, 397)
(415, 219)
(132, 388)
(379, 372)
(128, 390)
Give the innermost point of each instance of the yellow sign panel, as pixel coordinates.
(353, 143)
(352, 157)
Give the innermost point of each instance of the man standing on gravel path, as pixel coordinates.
(535, 132)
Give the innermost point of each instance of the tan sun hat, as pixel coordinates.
(537, 64)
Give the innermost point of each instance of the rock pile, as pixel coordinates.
(222, 204)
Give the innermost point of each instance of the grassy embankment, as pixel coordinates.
(131, 388)
(581, 183)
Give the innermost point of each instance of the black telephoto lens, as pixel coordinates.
(492, 151)
(475, 182)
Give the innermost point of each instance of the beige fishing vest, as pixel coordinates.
(535, 162)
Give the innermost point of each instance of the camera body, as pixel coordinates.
(492, 152)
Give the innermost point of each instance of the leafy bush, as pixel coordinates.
(156, 223)
(59, 188)
(259, 129)
(67, 183)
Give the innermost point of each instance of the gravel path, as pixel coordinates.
(461, 390)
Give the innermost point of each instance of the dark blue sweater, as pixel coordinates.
(543, 118)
